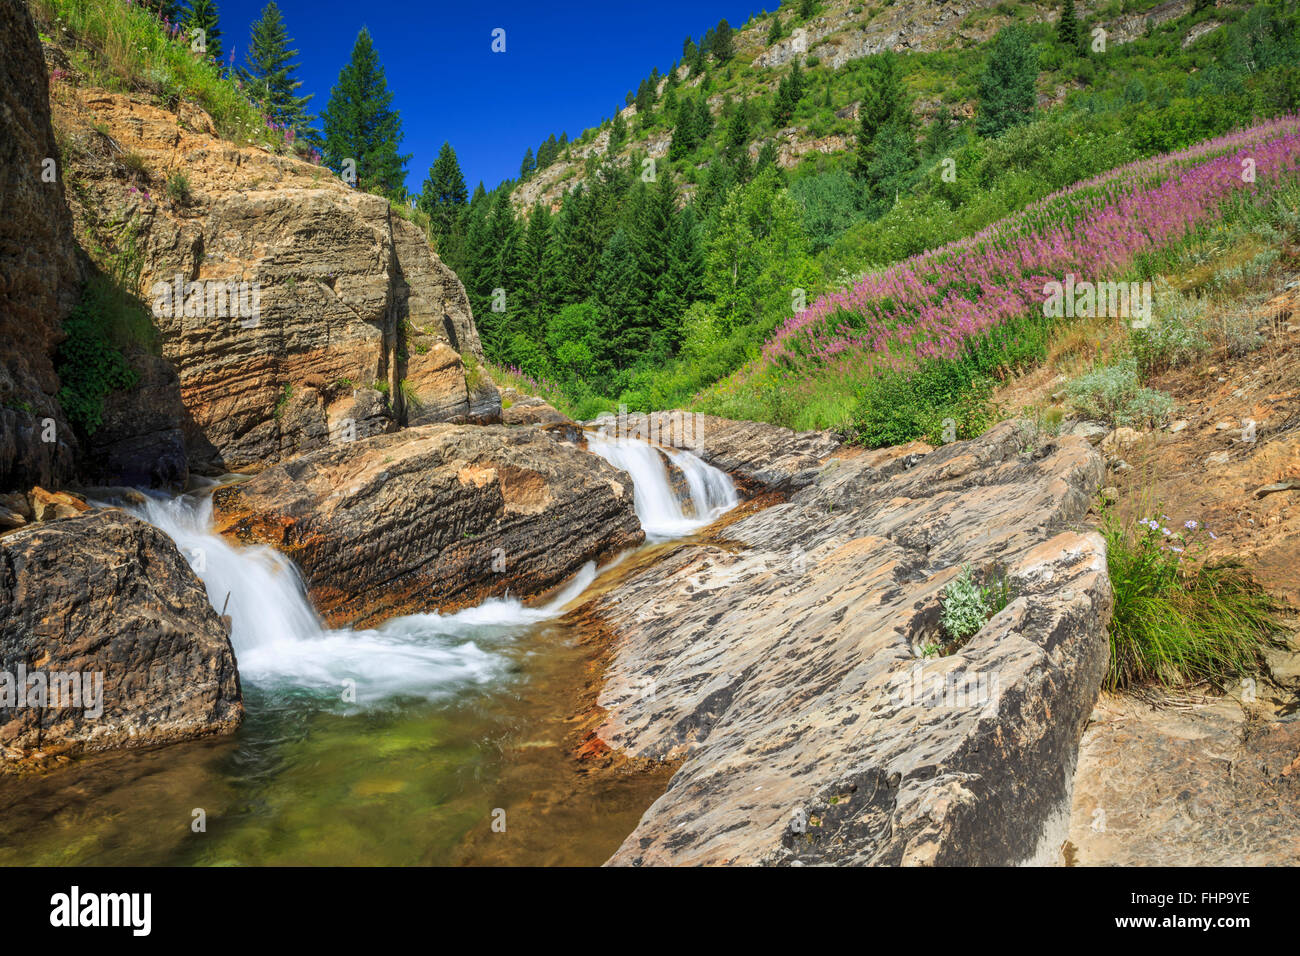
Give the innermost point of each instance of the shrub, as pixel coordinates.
(178, 188)
(1175, 335)
(90, 363)
(964, 606)
(1114, 394)
(1178, 620)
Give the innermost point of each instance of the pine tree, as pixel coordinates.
(617, 133)
(774, 33)
(685, 131)
(168, 10)
(722, 47)
(1067, 32)
(445, 200)
(529, 164)
(882, 104)
(269, 72)
(1006, 87)
(807, 8)
(203, 15)
(359, 123)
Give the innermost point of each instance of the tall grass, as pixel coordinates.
(1178, 618)
(124, 46)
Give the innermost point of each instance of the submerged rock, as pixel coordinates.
(434, 518)
(785, 665)
(105, 603)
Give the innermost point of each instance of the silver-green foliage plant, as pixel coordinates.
(965, 606)
(1115, 394)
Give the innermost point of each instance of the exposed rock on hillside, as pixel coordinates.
(352, 313)
(434, 517)
(39, 282)
(758, 456)
(786, 665)
(103, 593)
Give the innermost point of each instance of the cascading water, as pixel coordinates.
(661, 512)
(279, 639)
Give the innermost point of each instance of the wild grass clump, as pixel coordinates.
(124, 46)
(1178, 618)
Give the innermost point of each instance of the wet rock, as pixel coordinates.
(758, 456)
(784, 666)
(104, 596)
(434, 518)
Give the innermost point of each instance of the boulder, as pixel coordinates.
(107, 601)
(791, 667)
(434, 517)
(530, 410)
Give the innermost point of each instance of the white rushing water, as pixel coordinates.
(661, 513)
(279, 639)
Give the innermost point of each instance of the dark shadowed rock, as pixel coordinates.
(434, 517)
(40, 278)
(785, 665)
(105, 593)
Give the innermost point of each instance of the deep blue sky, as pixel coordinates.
(566, 65)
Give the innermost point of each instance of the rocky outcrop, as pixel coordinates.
(434, 517)
(520, 409)
(104, 603)
(758, 456)
(39, 281)
(341, 310)
(787, 665)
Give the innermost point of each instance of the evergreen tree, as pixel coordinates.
(774, 33)
(722, 46)
(685, 132)
(533, 292)
(167, 10)
(529, 164)
(1006, 87)
(627, 331)
(788, 92)
(882, 104)
(269, 71)
(444, 199)
(1068, 32)
(767, 156)
(203, 15)
(617, 134)
(807, 8)
(359, 123)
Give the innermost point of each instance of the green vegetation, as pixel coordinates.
(360, 127)
(1115, 395)
(90, 361)
(1179, 620)
(269, 73)
(178, 188)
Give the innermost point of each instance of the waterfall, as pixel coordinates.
(662, 514)
(280, 640)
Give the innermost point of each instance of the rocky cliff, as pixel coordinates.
(295, 311)
(38, 284)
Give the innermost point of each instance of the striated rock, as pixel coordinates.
(140, 441)
(49, 505)
(784, 665)
(434, 517)
(41, 275)
(109, 598)
(758, 456)
(336, 292)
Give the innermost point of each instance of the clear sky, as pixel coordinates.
(566, 65)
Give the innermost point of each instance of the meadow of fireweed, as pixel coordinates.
(934, 306)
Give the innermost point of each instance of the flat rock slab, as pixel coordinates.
(106, 594)
(783, 664)
(434, 518)
(760, 457)
(1204, 783)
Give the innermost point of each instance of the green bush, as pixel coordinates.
(1115, 395)
(1178, 620)
(90, 362)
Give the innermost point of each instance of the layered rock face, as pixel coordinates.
(758, 456)
(105, 603)
(434, 517)
(788, 668)
(337, 310)
(38, 285)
